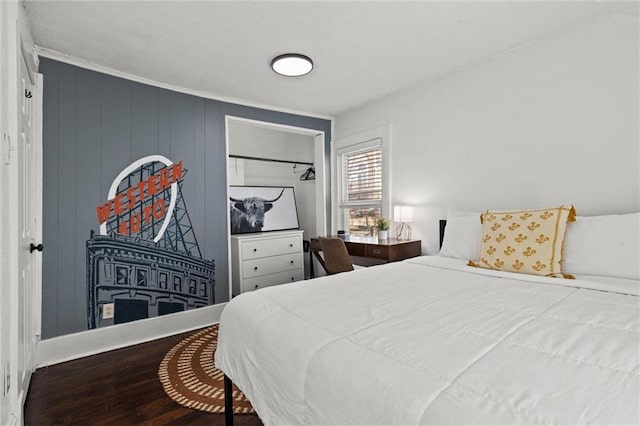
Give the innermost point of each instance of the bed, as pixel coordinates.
(432, 340)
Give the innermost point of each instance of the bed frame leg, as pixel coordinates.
(228, 402)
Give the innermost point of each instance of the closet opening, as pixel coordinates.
(275, 162)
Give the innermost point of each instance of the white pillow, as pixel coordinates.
(462, 235)
(603, 245)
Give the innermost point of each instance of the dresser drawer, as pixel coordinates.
(270, 247)
(250, 284)
(271, 265)
(265, 259)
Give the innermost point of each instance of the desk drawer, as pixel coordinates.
(271, 265)
(256, 283)
(378, 251)
(271, 247)
(356, 249)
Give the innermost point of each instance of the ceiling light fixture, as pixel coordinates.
(292, 64)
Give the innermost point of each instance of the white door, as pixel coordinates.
(29, 219)
(20, 215)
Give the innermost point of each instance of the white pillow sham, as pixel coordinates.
(606, 245)
(613, 284)
(462, 235)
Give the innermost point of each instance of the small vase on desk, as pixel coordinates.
(383, 235)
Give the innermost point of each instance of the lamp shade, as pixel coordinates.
(403, 214)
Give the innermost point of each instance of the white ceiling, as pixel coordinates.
(363, 51)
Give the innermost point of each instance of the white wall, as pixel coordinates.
(255, 141)
(554, 121)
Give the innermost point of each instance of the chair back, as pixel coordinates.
(336, 256)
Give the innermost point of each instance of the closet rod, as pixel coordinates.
(244, 157)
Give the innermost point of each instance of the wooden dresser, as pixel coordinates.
(265, 259)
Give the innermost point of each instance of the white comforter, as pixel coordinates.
(431, 341)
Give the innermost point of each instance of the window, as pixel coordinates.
(107, 270)
(122, 275)
(142, 277)
(163, 278)
(177, 283)
(193, 286)
(360, 187)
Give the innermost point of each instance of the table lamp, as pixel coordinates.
(403, 215)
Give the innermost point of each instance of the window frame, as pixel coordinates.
(162, 274)
(177, 279)
(126, 276)
(380, 136)
(146, 274)
(344, 205)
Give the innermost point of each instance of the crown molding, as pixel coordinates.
(72, 60)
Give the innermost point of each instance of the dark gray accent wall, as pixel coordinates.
(95, 125)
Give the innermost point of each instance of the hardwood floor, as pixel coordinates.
(114, 388)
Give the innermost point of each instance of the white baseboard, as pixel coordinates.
(91, 342)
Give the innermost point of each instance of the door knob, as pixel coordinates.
(33, 247)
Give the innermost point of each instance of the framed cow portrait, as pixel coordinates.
(262, 208)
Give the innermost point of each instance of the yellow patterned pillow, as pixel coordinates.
(528, 241)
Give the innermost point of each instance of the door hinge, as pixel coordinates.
(6, 149)
(6, 379)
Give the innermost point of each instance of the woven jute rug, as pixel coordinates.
(189, 377)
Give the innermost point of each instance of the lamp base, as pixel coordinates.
(403, 231)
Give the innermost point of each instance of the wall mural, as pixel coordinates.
(145, 262)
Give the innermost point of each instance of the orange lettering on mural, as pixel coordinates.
(126, 201)
(158, 213)
(164, 179)
(104, 211)
(176, 171)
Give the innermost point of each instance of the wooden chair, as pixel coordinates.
(335, 254)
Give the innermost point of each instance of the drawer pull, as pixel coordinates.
(255, 268)
(292, 262)
(293, 278)
(290, 245)
(255, 250)
(377, 251)
(256, 285)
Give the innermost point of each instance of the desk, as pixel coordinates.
(369, 251)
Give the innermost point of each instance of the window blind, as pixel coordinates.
(362, 176)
